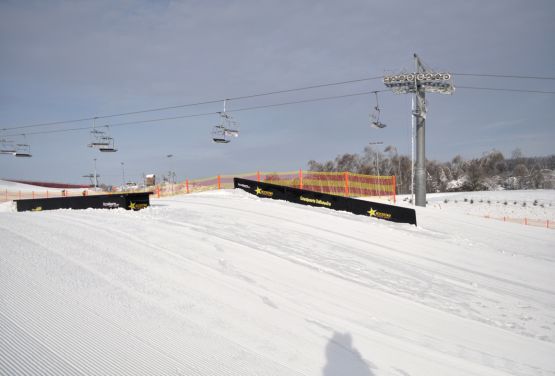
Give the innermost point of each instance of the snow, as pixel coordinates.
(14, 186)
(225, 283)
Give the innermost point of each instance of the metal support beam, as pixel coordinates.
(420, 114)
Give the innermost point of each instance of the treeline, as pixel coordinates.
(492, 171)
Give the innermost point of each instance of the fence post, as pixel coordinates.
(346, 173)
(219, 182)
(301, 177)
(258, 176)
(394, 188)
(187, 185)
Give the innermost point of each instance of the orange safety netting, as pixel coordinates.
(337, 183)
(10, 195)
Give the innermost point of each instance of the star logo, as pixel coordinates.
(132, 205)
(258, 190)
(372, 212)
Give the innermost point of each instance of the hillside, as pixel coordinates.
(224, 283)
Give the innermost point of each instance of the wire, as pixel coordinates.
(190, 104)
(202, 114)
(505, 76)
(271, 93)
(505, 89)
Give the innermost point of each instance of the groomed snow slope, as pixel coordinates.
(225, 283)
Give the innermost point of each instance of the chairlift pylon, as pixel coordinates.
(228, 128)
(375, 116)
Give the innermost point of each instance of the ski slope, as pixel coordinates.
(225, 283)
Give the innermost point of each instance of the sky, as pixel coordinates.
(65, 60)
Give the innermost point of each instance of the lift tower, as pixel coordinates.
(421, 81)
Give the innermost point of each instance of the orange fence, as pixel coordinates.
(9, 195)
(526, 221)
(336, 183)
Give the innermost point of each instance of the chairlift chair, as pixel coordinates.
(228, 128)
(219, 135)
(23, 150)
(98, 139)
(376, 123)
(7, 146)
(108, 147)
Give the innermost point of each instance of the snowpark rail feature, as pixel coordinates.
(306, 197)
(129, 201)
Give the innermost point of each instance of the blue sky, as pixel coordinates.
(78, 59)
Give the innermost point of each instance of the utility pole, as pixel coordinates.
(418, 83)
(377, 164)
(122, 175)
(95, 180)
(420, 117)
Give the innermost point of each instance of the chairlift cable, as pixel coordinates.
(504, 76)
(506, 89)
(191, 104)
(208, 113)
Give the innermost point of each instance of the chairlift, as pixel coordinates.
(97, 136)
(219, 135)
(98, 139)
(375, 116)
(108, 147)
(227, 129)
(101, 140)
(7, 146)
(22, 150)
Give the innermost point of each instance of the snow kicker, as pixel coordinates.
(129, 201)
(304, 197)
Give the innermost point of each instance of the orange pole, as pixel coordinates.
(301, 177)
(258, 176)
(219, 182)
(20, 195)
(158, 191)
(525, 221)
(394, 188)
(33, 194)
(346, 183)
(547, 223)
(6, 195)
(187, 184)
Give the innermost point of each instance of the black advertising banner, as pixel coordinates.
(304, 197)
(129, 201)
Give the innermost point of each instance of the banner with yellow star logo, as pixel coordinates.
(129, 201)
(305, 197)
